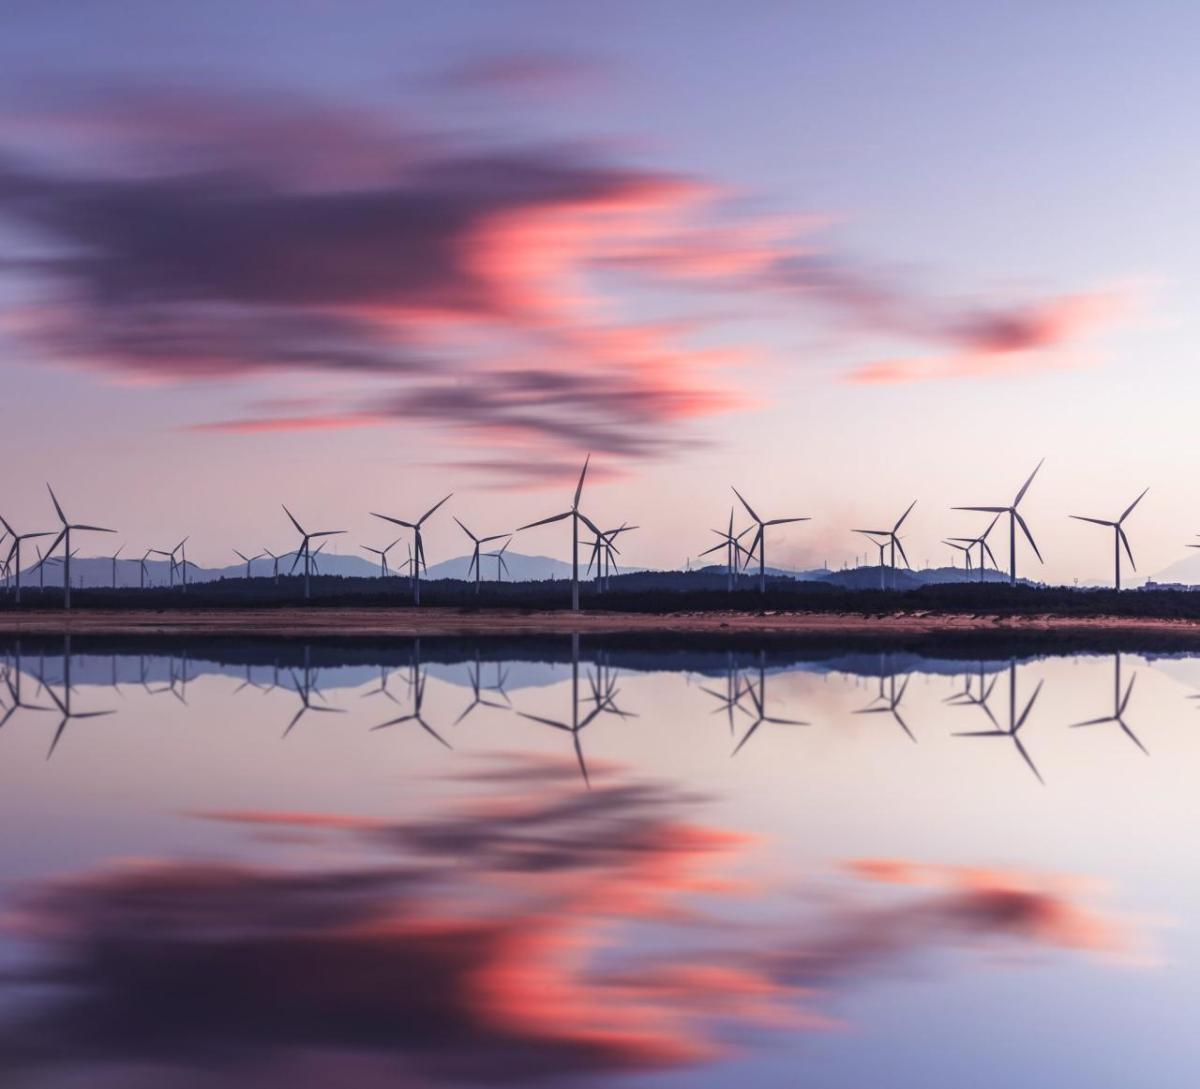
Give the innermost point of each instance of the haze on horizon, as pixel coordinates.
(353, 257)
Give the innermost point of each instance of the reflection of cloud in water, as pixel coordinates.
(464, 946)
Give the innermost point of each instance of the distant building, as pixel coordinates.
(1150, 584)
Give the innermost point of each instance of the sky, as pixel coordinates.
(354, 256)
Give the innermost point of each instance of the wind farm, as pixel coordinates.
(484, 578)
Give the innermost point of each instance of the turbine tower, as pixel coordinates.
(142, 570)
(275, 560)
(418, 545)
(893, 540)
(114, 565)
(475, 552)
(760, 539)
(13, 561)
(65, 537)
(576, 516)
(1014, 518)
(304, 551)
(1119, 537)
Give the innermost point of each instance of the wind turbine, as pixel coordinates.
(576, 516)
(1119, 537)
(498, 556)
(604, 553)
(418, 546)
(732, 543)
(248, 560)
(275, 560)
(965, 549)
(14, 553)
(984, 548)
(475, 552)
(891, 538)
(760, 539)
(304, 551)
(881, 545)
(382, 553)
(65, 537)
(1014, 518)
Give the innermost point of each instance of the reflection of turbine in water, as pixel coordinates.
(1014, 724)
(602, 696)
(891, 702)
(383, 690)
(1120, 703)
(731, 699)
(64, 704)
(249, 682)
(306, 688)
(416, 715)
(12, 682)
(478, 689)
(758, 698)
(968, 698)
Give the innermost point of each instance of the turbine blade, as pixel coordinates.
(1025, 486)
(1128, 550)
(546, 521)
(467, 531)
(299, 527)
(986, 510)
(1028, 707)
(749, 509)
(903, 556)
(394, 521)
(1028, 535)
(1128, 693)
(58, 509)
(1129, 509)
(579, 486)
(785, 521)
(1094, 521)
(432, 509)
(904, 515)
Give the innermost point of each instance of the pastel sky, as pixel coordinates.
(352, 256)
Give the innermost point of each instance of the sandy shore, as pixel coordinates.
(430, 622)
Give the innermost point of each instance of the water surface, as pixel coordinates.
(446, 863)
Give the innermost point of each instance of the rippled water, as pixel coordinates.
(441, 864)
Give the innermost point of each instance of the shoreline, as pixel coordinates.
(409, 622)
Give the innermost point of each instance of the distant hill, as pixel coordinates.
(97, 570)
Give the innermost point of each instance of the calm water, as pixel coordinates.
(442, 864)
